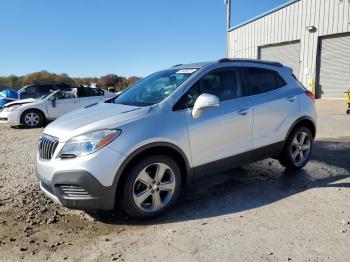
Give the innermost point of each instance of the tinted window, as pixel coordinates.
(30, 90)
(263, 80)
(226, 84)
(44, 89)
(96, 92)
(66, 94)
(86, 92)
(62, 87)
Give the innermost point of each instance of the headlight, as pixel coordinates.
(88, 143)
(12, 108)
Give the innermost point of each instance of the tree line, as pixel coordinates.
(108, 81)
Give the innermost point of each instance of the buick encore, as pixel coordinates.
(140, 148)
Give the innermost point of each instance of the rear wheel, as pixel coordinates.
(32, 119)
(152, 186)
(297, 150)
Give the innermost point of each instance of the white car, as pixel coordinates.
(35, 112)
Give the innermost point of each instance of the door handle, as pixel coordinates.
(244, 111)
(291, 98)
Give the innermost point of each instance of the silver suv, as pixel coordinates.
(143, 146)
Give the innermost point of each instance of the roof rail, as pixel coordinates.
(177, 65)
(243, 60)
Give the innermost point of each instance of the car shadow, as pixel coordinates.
(19, 127)
(23, 127)
(249, 187)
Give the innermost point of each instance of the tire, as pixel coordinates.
(297, 150)
(32, 118)
(147, 196)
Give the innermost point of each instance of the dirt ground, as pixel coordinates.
(258, 212)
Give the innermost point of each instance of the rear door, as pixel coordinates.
(224, 131)
(275, 106)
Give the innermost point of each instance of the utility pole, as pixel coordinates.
(228, 24)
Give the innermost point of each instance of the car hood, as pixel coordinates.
(21, 102)
(93, 117)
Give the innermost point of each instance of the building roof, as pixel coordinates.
(264, 14)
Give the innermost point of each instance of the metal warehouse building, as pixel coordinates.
(310, 36)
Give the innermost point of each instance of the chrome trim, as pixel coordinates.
(47, 146)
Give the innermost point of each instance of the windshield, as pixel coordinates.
(22, 89)
(154, 88)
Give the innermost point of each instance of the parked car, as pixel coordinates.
(38, 90)
(145, 145)
(35, 112)
(7, 95)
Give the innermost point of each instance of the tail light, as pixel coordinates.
(310, 94)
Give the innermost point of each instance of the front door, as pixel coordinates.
(224, 131)
(65, 101)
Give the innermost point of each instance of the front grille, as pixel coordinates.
(47, 146)
(73, 191)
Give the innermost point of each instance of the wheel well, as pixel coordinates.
(158, 150)
(307, 123)
(33, 109)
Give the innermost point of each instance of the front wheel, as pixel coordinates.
(152, 186)
(297, 150)
(32, 119)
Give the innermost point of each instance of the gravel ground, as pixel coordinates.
(258, 212)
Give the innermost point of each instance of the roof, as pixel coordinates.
(228, 60)
(256, 61)
(193, 65)
(264, 14)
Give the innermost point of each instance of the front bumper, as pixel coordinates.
(78, 189)
(86, 183)
(10, 117)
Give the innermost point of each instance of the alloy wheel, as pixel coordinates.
(154, 187)
(32, 119)
(301, 147)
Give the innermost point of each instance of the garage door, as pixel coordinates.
(287, 54)
(334, 66)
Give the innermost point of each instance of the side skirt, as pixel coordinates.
(240, 159)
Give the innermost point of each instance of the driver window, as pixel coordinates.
(43, 89)
(226, 84)
(66, 94)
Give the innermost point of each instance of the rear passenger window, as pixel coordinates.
(263, 80)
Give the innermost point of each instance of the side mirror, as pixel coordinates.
(53, 101)
(203, 102)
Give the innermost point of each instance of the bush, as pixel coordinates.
(117, 82)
